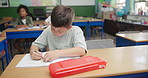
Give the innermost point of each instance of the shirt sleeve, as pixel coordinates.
(48, 20)
(30, 22)
(79, 40)
(41, 42)
(16, 22)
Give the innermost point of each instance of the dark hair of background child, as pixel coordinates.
(22, 6)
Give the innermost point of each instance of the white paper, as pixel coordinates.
(26, 61)
(23, 28)
(34, 27)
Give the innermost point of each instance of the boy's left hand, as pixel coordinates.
(51, 55)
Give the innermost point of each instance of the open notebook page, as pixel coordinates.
(26, 61)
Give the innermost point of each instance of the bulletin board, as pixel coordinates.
(77, 2)
(15, 3)
(4, 3)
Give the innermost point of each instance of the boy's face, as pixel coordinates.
(23, 12)
(59, 31)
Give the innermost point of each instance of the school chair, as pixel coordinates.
(98, 44)
(99, 28)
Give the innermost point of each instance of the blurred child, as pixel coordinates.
(21, 22)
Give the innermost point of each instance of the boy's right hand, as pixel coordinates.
(36, 55)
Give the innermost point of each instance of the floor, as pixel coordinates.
(107, 36)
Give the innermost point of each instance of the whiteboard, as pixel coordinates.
(77, 2)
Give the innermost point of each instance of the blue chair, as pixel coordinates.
(4, 52)
(99, 27)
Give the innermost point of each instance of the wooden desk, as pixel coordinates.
(12, 33)
(131, 39)
(2, 24)
(120, 61)
(4, 21)
(88, 22)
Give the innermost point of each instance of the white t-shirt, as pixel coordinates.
(48, 20)
(24, 21)
(72, 38)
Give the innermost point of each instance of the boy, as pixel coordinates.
(61, 38)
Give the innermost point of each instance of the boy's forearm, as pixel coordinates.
(76, 51)
(33, 48)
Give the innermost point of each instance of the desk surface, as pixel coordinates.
(136, 37)
(87, 20)
(4, 21)
(15, 30)
(2, 38)
(120, 61)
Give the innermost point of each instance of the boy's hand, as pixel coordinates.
(51, 55)
(36, 55)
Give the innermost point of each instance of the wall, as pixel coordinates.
(11, 11)
(79, 10)
(84, 10)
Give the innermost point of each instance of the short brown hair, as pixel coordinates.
(62, 16)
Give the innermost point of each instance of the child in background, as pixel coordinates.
(21, 22)
(62, 39)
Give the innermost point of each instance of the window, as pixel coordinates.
(120, 3)
(141, 6)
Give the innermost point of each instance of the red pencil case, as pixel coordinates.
(75, 66)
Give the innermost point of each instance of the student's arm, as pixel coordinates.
(39, 44)
(51, 55)
(31, 22)
(16, 22)
(34, 52)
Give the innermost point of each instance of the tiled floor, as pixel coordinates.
(107, 36)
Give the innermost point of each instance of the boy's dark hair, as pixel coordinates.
(22, 6)
(62, 16)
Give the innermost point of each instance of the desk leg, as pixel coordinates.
(88, 32)
(7, 54)
(3, 63)
(10, 41)
(102, 33)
